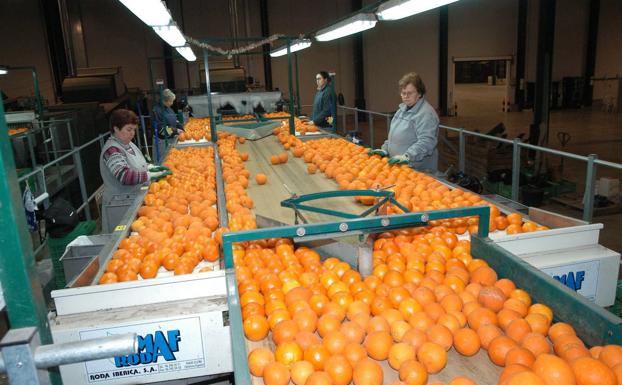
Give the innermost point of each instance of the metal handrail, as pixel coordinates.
(591, 160)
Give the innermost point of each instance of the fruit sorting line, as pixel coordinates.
(77, 305)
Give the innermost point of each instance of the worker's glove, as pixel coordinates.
(377, 152)
(399, 159)
(157, 175)
(155, 168)
(329, 120)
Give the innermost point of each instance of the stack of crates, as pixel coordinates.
(57, 247)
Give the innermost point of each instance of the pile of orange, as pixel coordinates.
(235, 177)
(18, 130)
(352, 168)
(196, 129)
(237, 117)
(276, 114)
(175, 224)
(426, 295)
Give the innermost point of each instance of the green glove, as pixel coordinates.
(377, 152)
(399, 159)
(159, 168)
(157, 175)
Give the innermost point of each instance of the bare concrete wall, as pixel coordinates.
(398, 47)
(22, 42)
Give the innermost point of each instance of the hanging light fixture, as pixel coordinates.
(186, 52)
(399, 9)
(171, 34)
(357, 23)
(295, 45)
(151, 12)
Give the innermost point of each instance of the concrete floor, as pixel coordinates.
(592, 132)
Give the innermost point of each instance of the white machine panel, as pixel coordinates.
(176, 340)
(591, 271)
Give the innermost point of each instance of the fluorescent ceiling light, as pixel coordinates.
(3, 71)
(295, 45)
(187, 53)
(354, 24)
(399, 9)
(151, 12)
(171, 34)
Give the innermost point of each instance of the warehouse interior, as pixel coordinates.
(259, 245)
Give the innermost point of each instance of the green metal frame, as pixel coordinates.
(295, 203)
(593, 324)
(23, 295)
(35, 80)
(324, 230)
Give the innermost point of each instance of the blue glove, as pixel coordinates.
(154, 168)
(157, 175)
(377, 152)
(399, 159)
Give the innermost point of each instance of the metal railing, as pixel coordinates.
(74, 153)
(591, 160)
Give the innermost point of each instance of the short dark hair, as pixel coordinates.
(414, 79)
(324, 74)
(119, 118)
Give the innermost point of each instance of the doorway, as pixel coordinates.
(481, 86)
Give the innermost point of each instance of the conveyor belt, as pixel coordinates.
(294, 174)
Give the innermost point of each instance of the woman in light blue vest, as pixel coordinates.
(414, 128)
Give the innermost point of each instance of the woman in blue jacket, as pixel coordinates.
(414, 128)
(165, 117)
(323, 102)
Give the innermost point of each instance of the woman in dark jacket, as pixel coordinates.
(323, 102)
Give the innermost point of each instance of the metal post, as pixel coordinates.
(461, 152)
(77, 160)
(356, 120)
(292, 127)
(31, 149)
(22, 289)
(297, 85)
(38, 100)
(515, 168)
(588, 196)
(370, 119)
(70, 134)
(208, 89)
(344, 117)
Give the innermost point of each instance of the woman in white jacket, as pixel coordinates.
(414, 128)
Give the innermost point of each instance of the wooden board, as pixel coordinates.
(293, 174)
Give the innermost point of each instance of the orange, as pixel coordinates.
(611, 355)
(415, 337)
(378, 344)
(275, 373)
(559, 329)
(300, 371)
(288, 352)
(520, 356)
(518, 329)
(398, 329)
(339, 369)
(353, 332)
(509, 371)
(481, 316)
(378, 324)
(440, 335)
(306, 339)
(553, 370)
(525, 378)
(499, 348)
(261, 178)
(258, 358)
(327, 323)
(413, 373)
(354, 352)
(536, 343)
(466, 341)
(316, 354)
(484, 275)
(284, 331)
(487, 333)
(335, 342)
(514, 219)
(256, 327)
(432, 356)
(367, 372)
(399, 353)
(590, 371)
(306, 320)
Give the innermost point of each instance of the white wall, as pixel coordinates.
(22, 42)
